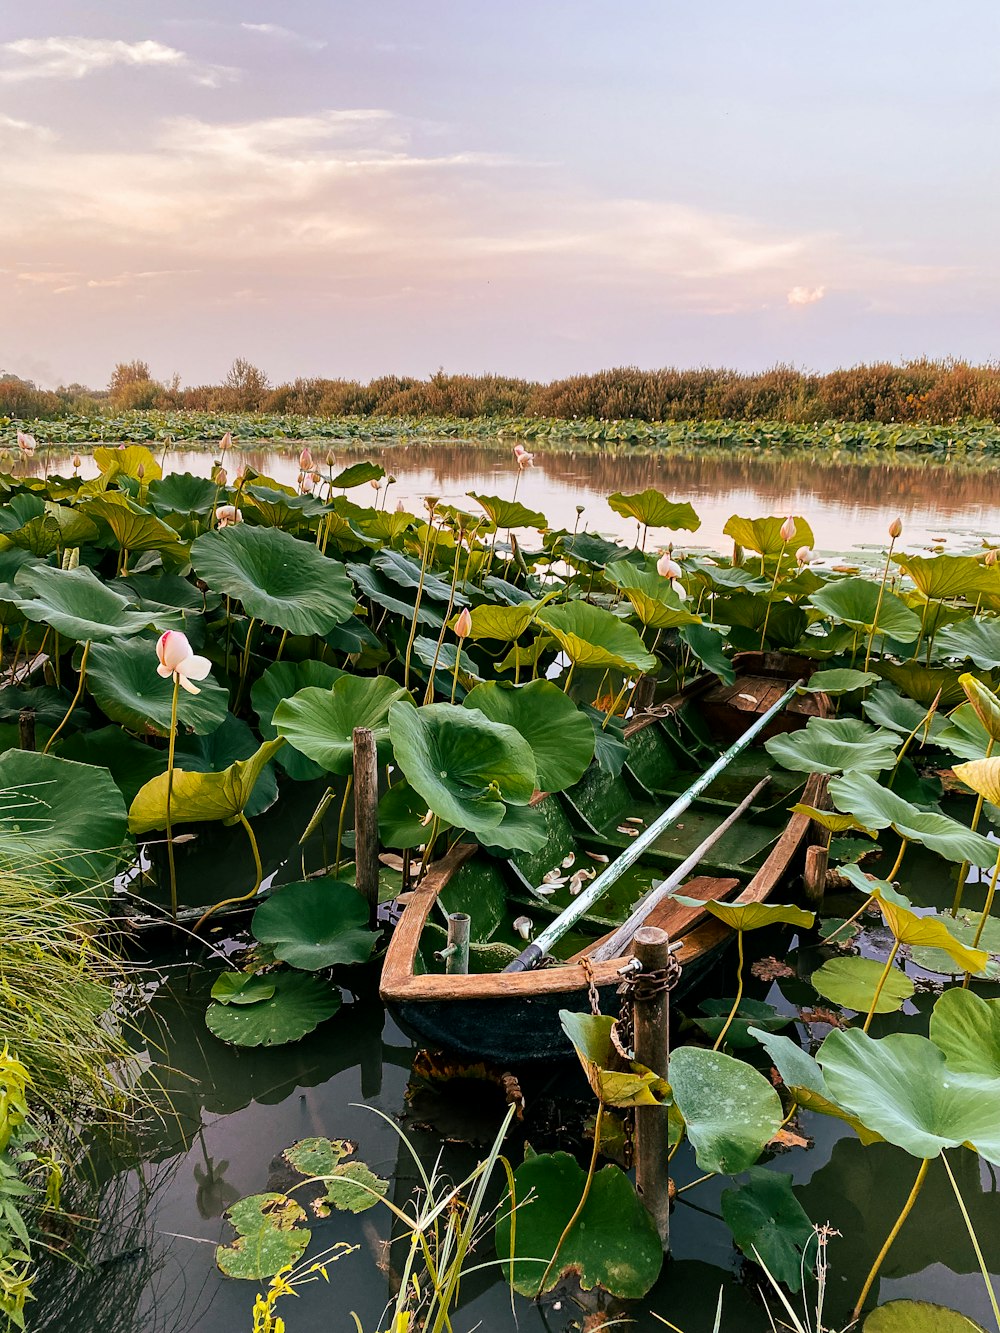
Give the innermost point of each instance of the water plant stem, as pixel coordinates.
(340, 823)
(897, 1227)
(878, 604)
(963, 869)
(739, 992)
(171, 867)
(583, 1197)
(243, 665)
(454, 674)
(75, 700)
(985, 915)
(881, 984)
(898, 861)
(774, 584)
(974, 1238)
(242, 897)
(416, 604)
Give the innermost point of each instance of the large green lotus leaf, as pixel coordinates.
(929, 932)
(901, 1086)
(56, 528)
(591, 1038)
(731, 1112)
(652, 508)
(919, 1317)
(769, 1224)
(123, 680)
(462, 764)
(964, 735)
(886, 707)
(834, 745)
(560, 736)
(709, 647)
(854, 602)
(183, 493)
(839, 680)
(128, 761)
(509, 513)
(268, 1237)
(877, 807)
(299, 1004)
(62, 820)
(320, 723)
(588, 550)
(166, 592)
(593, 637)
(18, 510)
(280, 681)
(357, 474)
(614, 1243)
(763, 535)
(134, 528)
(947, 575)
(967, 1029)
(978, 640)
(201, 797)
(127, 462)
(315, 924)
(852, 982)
(504, 623)
(401, 815)
(279, 579)
(786, 624)
(716, 1013)
(964, 927)
(381, 591)
(804, 1079)
(923, 683)
(752, 916)
(406, 573)
(522, 829)
(277, 507)
(224, 746)
(653, 600)
(77, 604)
(983, 702)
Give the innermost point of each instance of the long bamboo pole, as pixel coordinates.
(531, 956)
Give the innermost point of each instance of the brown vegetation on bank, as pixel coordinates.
(924, 390)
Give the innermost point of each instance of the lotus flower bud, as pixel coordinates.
(802, 555)
(306, 482)
(991, 557)
(317, 478)
(374, 484)
(788, 530)
(463, 625)
(896, 528)
(226, 442)
(668, 568)
(77, 462)
(140, 472)
(305, 460)
(220, 476)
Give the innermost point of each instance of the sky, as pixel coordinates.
(536, 187)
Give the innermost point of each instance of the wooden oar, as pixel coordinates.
(617, 944)
(532, 955)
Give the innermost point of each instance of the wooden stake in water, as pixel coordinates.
(366, 818)
(651, 1025)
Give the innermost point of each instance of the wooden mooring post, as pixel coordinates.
(26, 728)
(814, 874)
(366, 818)
(651, 1026)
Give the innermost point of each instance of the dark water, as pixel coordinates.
(848, 502)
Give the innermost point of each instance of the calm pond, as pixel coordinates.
(159, 1201)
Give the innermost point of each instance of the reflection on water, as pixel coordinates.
(847, 502)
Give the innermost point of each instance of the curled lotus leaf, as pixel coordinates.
(509, 513)
(133, 528)
(763, 535)
(593, 637)
(591, 1038)
(78, 605)
(929, 932)
(752, 916)
(834, 745)
(832, 820)
(967, 1029)
(803, 1076)
(983, 776)
(984, 704)
(886, 707)
(201, 797)
(941, 576)
(878, 807)
(654, 601)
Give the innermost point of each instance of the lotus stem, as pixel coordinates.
(984, 916)
(963, 869)
(170, 791)
(774, 584)
(340, 822)
(614, 707)
(881, 984)
(739, 992)
(243, 666)
(243, 897)
(429, 692)
(454, 677)
(898, 1226)
(416, 604)
(973, 1237)
(76, 698)
(898, 861)
(281, 646)
(583, 1198)
(878, 604)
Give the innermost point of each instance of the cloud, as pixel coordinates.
(11, 125)
(279, 33)
(806, 295)
(76, 57)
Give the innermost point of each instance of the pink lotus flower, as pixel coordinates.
(178, 660)
(802, 555)
(26, 443)
(463, 625)
(788, 530)
(226, 442)
(305, 460)
(522, 458)
(306, 483)
(226, 514)
(896, 528)
(668, 568)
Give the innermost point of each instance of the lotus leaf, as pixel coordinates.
(276, 506)
(967, 1029)
(978, 640)
(315, 924)
(505, 623)
(406, 573)
(965, 735)
(888, 708)
(122, 677)
(943, 576)
(854, 602)
(832, 820)
(57, 528)
(984, 704)
(509, 513)
(128, 761)
(199, 797)
(877, 807)
(268, 1237)
(839, 680)
(462, 764)
(751, 1013)
(804, 1079)
(591, 1038)
(522, 829)
(401, 815)
(763, 535)
(60, 820)
(786, 623)
(126, 462)
(964, 928)
(134, 528)
(919, 1317)
(708, 646)
(653, 600)
(927, 685)
(77, 604)
(166, 592)
(731, 1112)
(652, 509)
(769, 1224)
(215, 752)
(350, 1186)
(299, 1004)
(834, 745)
(357, 474)
(560, 736)
(983, 776)
(929, 932)
(752, 916)
(587, 549)
(852, 982)
(320, 722)
(870, 887)
(613, 1245)
(593, 637)
(280, 580)
(384, 593)
(901, 1086)
(281, 680)
(242, 988)
(183, 493)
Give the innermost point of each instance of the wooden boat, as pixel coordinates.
(512, 1018)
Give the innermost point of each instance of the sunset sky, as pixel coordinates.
(531, 188)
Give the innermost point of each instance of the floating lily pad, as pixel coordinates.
(315, 924)
(299, 1004)
(349, 1186)
(269, 1237)
(852, 982)
(919, 1317)
(769, 1224)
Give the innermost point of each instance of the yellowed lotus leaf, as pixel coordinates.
(909, 928)
(983, 776)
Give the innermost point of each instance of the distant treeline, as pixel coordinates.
(927, 391)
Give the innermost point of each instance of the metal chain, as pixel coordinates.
(593, 993)
(642, 985)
